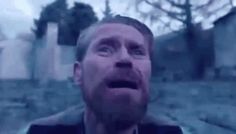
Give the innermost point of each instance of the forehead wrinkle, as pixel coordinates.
(118, 40)
(96, 28)
(98, 31)
(107, 27)
(117, 36)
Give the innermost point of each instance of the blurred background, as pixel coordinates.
(194, 66)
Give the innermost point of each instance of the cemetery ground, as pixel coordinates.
(199, 107)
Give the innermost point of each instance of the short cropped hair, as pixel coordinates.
(86, 35)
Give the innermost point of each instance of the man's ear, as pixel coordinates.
(77, 73)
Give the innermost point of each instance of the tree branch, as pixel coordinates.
(167, 25)
(171, 14)
(175, 4)
(208, 14)
(231, 3)
(209, 2)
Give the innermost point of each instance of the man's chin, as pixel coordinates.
(126, 120)
(119, 107)
(120, 125)
(122, 117)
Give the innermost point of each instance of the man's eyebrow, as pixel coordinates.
(108, 40)
(115, 40)
(135, 44)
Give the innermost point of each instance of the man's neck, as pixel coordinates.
(94, 126)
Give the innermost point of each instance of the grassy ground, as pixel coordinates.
(198, 107)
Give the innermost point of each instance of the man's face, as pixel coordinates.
(115, 73)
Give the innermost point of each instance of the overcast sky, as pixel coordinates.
(16, 16)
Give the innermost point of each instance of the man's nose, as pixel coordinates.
(124, 59)
(124, 64)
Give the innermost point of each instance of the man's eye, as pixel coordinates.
(138, 52)
(105, 50)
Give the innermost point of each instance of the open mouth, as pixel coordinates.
(122, 84)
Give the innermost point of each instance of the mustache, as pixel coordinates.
(124, 74)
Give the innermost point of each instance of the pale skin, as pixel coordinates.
(116, 51)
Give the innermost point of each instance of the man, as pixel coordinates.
(113, 69)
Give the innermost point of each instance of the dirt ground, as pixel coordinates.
(198, 107)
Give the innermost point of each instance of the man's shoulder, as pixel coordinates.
(159, 129)
(67, 121)
(53, 129)
(158, 125)
(142, 129)
(71, 121)
(70, 116)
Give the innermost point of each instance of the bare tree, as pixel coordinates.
(107, 12)
(184, 13)
(2, 35)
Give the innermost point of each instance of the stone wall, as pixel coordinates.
(14, 59)
(225, 46)
(54, 62)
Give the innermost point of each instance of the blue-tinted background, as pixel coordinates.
(194, 66)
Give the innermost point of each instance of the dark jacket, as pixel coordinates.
(71, 122)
